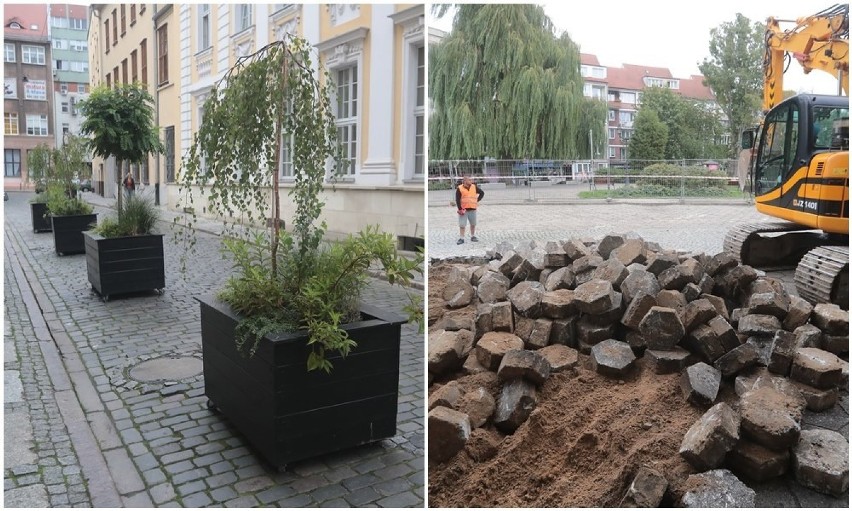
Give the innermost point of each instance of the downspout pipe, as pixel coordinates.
(156, 103)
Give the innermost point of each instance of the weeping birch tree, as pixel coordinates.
(503, 85)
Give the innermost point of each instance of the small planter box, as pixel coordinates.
(68, 232)
(289, 413)
(126, 264)
(40, 223)
(410, 243)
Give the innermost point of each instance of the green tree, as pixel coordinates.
(734, 72)
(120, 122)
(692, 128)
(502, 85)
(649, 137)
(39, 166)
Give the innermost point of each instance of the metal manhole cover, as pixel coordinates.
(159, 369)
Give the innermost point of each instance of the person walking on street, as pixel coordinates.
(129, 185)
(468, 196)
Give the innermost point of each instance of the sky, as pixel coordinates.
(668, 34)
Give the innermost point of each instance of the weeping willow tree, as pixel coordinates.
(503, 85)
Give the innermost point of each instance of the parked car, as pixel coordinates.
(84, 185)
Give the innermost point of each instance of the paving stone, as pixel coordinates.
(770, 418)
(558, 304)
(612, 270)
(817, 368)
(639, 280)
(671, 298)
(837, 344)
(492, 287)
(798, 313)
(524, 364)
(562, 278)
(661, 327)
(697, 312)
(661, 261)
(770, 303)
(715, 489)
(458, 293)
(711, 437)
(783, 352)
(609, 243)
(700, 384)
(448, 432)
(757, 463)
(808, 336)
(637, 309)
(831, 319)
(632, 251)
(447, 395)
(821, 461)
(818, 400)
(647, 489)
(555, 256)
(447, 350)
(516, 402)
(590, 333)
(612, 358)
(491, 348)
(721, 263)
(594, 297)
(668, 361)
(478, 405)
(738, 359)
(560, 357)
(526, 297)
(760, 325)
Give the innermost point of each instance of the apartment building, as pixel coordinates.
(375, 53)
(68, 27)
(27, 103)
(126, 46)
(622, 88)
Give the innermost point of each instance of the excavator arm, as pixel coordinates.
(820, 41)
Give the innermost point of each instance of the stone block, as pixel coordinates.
(668, 361)
(761, 325)
(782, 352)
(564, 332)
(554, 255)
(831, 319)
(609, 243)
(821, 461)
(690, 292)
(711, 437)
(700, 384)
(704, 343)
(672, 299)
(612, 358)
(757, 463)
(586, 264)
(458, 293)
(661, 327)
(817, 368)
(719, 303)
(455, 321)
(447, 350)
(735, 280)
(479, 406)
(639, 280)
(720, 263)
(837, 344)
(473, 366)
(647, 489)
(658, 262)
(575, 249)
(818, 400)
(590, 333)
(524, 364)
(491, 348)
(563, 278)
(716, 489)
(447, 395)
(769, 304)
(484, 320)
(808, 336)
(539, 337)
(560, 357)
(492, 287)
(798, 313)
(516, 402)
(611, 270)
(697, 312)
(501, 317)
(509, 262)
(770, 417)
(448, 433)
(613, 315)
(558, 304)
(723, 331)
(530, 268)
(631, 251)
(636, 310)
(706, 284)
(737, 360)
(594, 297)
(526, 298)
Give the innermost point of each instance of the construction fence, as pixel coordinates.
(517, 181)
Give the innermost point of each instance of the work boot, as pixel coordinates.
(460, 241)
(474, 238)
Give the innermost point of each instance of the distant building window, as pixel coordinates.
(37, 125)
(132, 14)
(63, 87)
(10, 123)
(9, 52)
(106, 34)
(65, 128)
(12, 162)
(65, 107)
(611, 133)
(108, 81)
(133, 66)
(169, 136)
(114, 27)
(143, 59)
(244, 20)
(32, 54)
(79, 24)
(141, 8)
(203, 26)
(123, 19)
(347, 115)
(611, 115)
(419, 114)
(124, 71)
(59, 22)
(83, 87)
(163, 54)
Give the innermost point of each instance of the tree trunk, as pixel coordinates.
(119, 176)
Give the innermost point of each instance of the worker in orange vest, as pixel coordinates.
(468, 196)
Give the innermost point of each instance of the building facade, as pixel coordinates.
(68, 27)
(375, 53)
(27, 102)
(622, 88)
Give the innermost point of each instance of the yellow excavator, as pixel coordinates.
(799, 162)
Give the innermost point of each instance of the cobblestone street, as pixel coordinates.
(80, 432)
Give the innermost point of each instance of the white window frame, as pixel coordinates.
(29, 51)
(412, 117)
(204, 36)
(244, 17)
(611, 114)
(611, 133)
(348, 125)
(420, 113)
(200, 99)
(37, 125)
(611, 152)
(7, 54)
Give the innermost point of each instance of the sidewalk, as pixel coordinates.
(83, 429)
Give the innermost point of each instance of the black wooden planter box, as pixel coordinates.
(124, 265)
(289, 413)
(40, 223)
(68, 232)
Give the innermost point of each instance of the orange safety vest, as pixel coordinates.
(469, 196)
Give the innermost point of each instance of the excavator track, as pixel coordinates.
(821, 262)
(823, 276)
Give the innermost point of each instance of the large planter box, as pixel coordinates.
(124, 265)
(68, 232)
(40, 223)
(289, 413)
